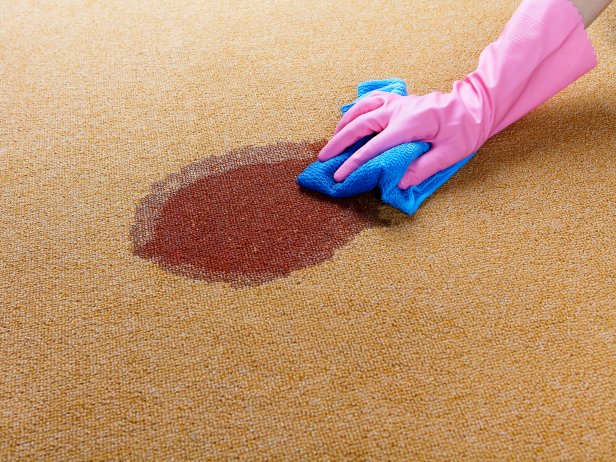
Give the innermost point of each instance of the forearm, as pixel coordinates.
(542, 49)
(590, 9)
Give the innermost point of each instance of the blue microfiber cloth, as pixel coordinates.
(384, 171)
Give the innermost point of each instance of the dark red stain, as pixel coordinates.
(243, 221)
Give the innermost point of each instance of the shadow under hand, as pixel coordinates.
(559, 134)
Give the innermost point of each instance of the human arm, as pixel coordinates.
(590, 9)
(542, 49)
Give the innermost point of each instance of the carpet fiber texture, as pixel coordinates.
(167, 291)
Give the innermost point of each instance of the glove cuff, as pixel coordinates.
(541, 50)
(572, 58)
(543, 23)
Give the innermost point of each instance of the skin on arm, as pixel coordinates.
(590, 9)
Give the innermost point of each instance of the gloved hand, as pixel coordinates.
(542, 49)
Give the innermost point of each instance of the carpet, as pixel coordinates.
(167, 292)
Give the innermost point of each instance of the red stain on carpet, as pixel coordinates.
(241, 218)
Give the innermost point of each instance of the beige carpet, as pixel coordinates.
(167, 293)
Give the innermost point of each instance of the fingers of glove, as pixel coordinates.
(365, 125)
(426, 165)
(368, 103)
(377, 145)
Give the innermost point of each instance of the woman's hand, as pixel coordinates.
(542, 49)
(453, 129)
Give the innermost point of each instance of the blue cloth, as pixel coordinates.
(384, 171)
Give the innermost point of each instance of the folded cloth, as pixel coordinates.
(383, 171)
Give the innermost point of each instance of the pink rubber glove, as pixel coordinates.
(542, 49)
